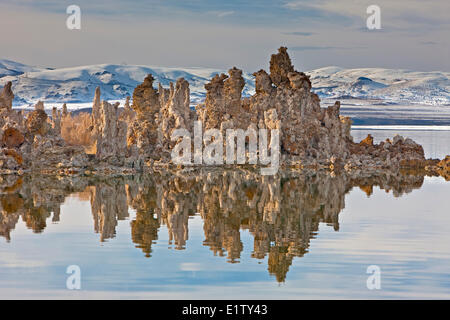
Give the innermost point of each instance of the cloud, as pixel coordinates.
(224, 14)
(428, 43)
(308, 48)
(411, 12)
(212, 33)
(190, 266)
(313, 48)
(299, 33)
(341, 8)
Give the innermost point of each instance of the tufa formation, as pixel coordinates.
(138, 136)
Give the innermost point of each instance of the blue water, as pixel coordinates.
(229, 236)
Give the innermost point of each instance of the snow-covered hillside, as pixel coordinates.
(77, 85)
(11, 68)
(385, 86)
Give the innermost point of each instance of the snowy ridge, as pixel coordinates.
(11, 68)
(388, 86)
(352, 86)
(77, 84)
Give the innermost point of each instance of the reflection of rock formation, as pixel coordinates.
(108, 205)
(10, 203)
(282, 213)
(31, 198)
(144, 231)
(162, 200)
(440, 168)
(144, 228)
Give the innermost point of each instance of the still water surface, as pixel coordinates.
(229, 235)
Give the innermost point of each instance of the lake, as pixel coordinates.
(230, 234)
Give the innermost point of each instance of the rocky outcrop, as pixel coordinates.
(36, 122)
(146, 99)
(399, 152)
(280, 67)
(143, 131)
(96, 113)
(174, 114)
(6, 96)
(112, 134)
(64, 111)
(12, 138)
(56, 121)
(223, 105)
(283, 101)
(158, 114)
(127, 115)
(140, 134)
(33, 141)
(213, 112)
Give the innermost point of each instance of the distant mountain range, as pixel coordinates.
(352, 86)
(382, 86)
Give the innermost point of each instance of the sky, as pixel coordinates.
(414, 34)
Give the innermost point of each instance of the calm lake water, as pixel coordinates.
(230, 234)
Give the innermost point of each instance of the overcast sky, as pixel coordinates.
(220, 34)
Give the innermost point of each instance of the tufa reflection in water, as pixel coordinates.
(281, 212)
